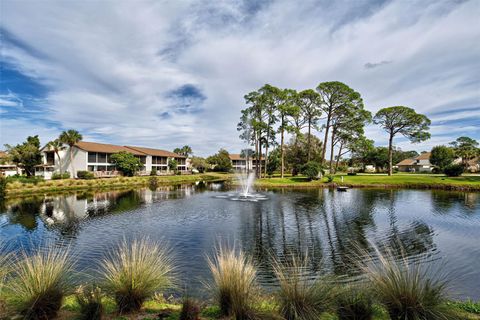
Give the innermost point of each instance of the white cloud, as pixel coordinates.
(110, 65)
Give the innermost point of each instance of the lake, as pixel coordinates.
(437, 227)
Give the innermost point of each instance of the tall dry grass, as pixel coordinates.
(134, 271)
(299, 296)
(40, 281)
(234, 283)
(408, 289)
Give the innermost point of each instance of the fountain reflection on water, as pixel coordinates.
(246, 193)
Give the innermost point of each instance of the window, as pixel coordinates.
(91, 168)
(143, 159)
(50, 157)
(101, 168)
(102, 158)
(92, 157)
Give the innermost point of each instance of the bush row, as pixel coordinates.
(36, 283)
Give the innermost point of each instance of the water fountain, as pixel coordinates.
(246, 192)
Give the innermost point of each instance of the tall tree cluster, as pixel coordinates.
(272, 113)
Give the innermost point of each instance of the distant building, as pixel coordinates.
(96, 157)
(417, 164)
(7, 168)
(240, 164)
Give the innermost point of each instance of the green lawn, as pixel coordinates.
(469, 182)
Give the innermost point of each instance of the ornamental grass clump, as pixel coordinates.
(4, 271)
(355, 302)
(40, 281)
(190, 309)
(234, 283)
(300, 296)
(408, 289)
(89, 298)
(135, 270)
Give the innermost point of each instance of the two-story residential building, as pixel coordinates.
(7, 168)
(240, 164)
(96, 157)
(417, 164)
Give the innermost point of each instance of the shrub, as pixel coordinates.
(3, 187)
(134, 271)
(153, 183)
(234, 283)
(86, 175)
(56, 176)
(154, 171)
(406, 289)
(89, 298)
(311, 169)
(40, 281)
(190, 309)
(299, 297)
(330, 178)
(355, 302)
(453, 170)
(352, 173)
(66, 175)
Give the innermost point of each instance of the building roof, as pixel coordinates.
(105, 148)
(111, 148)
(155, 152)
(237, 156)
(406, 162)
(424, 156)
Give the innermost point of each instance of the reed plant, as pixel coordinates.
(190, 309)
(301, 296)
(407, 288)
(5, 260)
(40, 281)
(234, 283)
(89, 298)
(355, 302)
(134, 271)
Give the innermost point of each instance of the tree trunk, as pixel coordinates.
(266, 161)
(324, 148)
(308, 140)
(330, 167)
(339, 155)
(390, 154)
(256, 154)
(282, 152)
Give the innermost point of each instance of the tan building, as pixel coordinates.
(7, 168)
(96, 157)
(240, 164)
(417, 164)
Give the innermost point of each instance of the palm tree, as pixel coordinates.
(57, 146)
(71, 137)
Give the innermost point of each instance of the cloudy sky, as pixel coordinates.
(169, 73)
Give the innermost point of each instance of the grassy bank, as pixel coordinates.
(16, 188)
(414, 181)
(171, 309)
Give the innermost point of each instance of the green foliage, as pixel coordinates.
(220, 161)
(85, 175)
(406, 288)
(185, 151)
(70, 138)
(468, 306)
(311, 169)
(153, 172)
(453, 170)
(234, 283)
(58, 176)
(330, 178)
(299, 297)
(296, 152)
(40, 282)
(442, 156)
(3, 187)
(273, 161)
(405, 121)
(355, 302)
(153, 183)
(126, 162)
(26, 155)
(172, 165)
(466, 148)
(89, 298)
(135, 270)
(199, 163)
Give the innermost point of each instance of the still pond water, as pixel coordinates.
(435, 226)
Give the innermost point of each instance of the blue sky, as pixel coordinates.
(168, 73)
